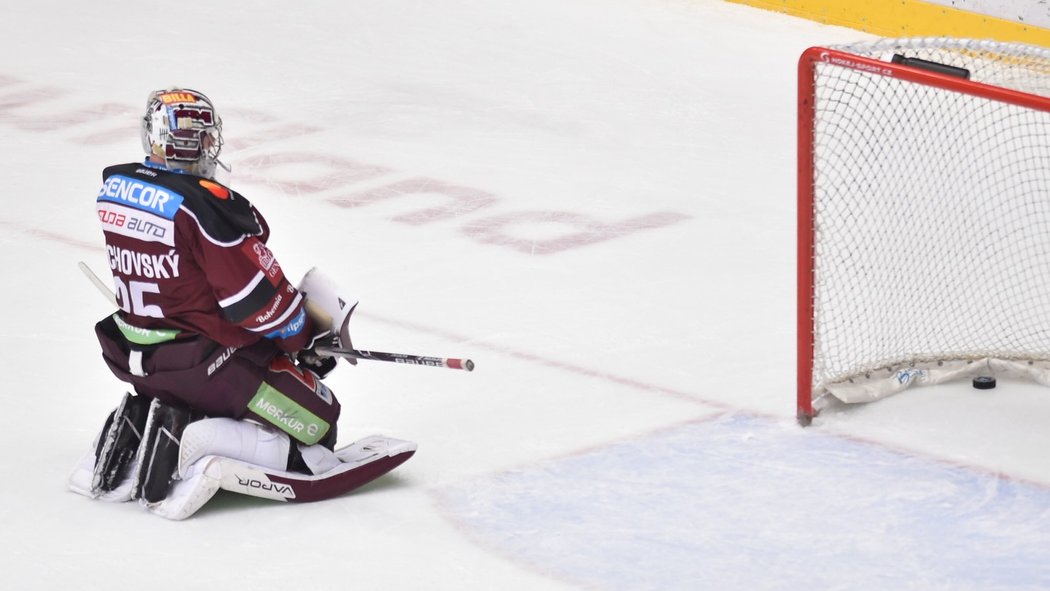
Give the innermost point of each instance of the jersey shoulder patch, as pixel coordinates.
(222, 214)
(139, 190)
(218, 191)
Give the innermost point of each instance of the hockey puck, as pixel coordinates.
(984, 382)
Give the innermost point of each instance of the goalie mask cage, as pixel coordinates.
(923, 216)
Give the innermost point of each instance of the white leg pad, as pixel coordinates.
(239, 440)
(318, 458)
(197, 486)
(82, 480)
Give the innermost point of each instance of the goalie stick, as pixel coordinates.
(403, 358)
(102, 289)
(449, 362)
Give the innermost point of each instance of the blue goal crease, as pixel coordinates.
(707, 503)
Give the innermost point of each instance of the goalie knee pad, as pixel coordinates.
(246, 441)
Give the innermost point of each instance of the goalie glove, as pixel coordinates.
(310, 359)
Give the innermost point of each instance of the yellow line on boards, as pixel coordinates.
(906, 18)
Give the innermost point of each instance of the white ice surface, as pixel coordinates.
(594, 200)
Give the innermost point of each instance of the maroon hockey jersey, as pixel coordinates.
(190, 254)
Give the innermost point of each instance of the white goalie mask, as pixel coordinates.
(182, 128)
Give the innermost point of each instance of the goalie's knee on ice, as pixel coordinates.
(242, 440)
(253, 443)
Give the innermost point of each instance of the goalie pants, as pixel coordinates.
(257, 381)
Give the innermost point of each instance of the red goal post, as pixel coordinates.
(923, 216)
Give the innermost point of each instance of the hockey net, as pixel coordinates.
(923, 215)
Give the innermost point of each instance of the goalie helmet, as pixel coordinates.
(182, 128)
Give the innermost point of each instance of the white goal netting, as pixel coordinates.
(931, 219)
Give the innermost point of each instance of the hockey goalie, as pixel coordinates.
(225, 362)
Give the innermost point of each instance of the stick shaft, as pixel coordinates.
(449, 362)
(102, 288)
